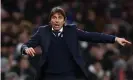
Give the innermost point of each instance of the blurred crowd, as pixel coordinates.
(21, 18)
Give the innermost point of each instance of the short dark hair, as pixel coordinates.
(57, 10)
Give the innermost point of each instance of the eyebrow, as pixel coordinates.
(59, 15)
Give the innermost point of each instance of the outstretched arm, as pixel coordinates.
(95, 37)
(100, 37)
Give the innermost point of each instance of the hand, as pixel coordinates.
(30, 51)
(122, 41)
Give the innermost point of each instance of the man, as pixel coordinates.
(60, 57)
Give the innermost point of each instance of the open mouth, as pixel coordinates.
(56, 25)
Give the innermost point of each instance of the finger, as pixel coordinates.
(31, 52)
(27, 51)
(123, 44)
(128, 42)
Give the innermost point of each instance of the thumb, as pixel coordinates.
(123, 44)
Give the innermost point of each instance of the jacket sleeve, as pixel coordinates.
(33, 41)
(95, 37)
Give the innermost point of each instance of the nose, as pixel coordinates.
(56, 20)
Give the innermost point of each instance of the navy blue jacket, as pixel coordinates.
(71, 35)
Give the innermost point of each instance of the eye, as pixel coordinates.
(60, 17)
(53, 17)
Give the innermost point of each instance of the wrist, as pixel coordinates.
(116, 39)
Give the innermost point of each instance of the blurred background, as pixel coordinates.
(21, 18)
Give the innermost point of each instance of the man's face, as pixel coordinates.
(57, 21)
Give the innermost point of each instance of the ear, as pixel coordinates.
(65, 20)
(49, 22)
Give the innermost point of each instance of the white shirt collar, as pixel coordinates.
(61, 30)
